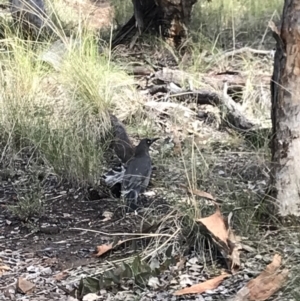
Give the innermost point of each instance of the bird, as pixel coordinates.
(124, 150)
(121, 143)
(138, 171)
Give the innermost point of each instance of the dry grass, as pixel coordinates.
(63, 114)
(230, 23)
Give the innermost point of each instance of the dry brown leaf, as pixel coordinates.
(216, 225)
(202, 287)
(62, 275)
(4, 268)
(100, 250)
(267, 282)
(227, 242)
(202, 194)
(24, 286)
(274, 28)
(235, 247)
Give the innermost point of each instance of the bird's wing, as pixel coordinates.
(137, 174)
(114, 176)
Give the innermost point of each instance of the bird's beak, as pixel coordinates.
(153, 140)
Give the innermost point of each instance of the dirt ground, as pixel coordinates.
(58, 238)
(54, 248)
(62, 228)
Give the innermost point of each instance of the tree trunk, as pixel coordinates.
(285, 90)
(167, 18)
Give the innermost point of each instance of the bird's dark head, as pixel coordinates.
(144, 145)
(150, 141)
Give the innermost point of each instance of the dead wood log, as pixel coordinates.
(216, 80)
(167, 75)
(244, 50)
(139, 71)
(233, 115)
(158, 89)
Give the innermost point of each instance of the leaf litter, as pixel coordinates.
(269, 281)
(102, 249)
(266, 284)
(202, 287)
(4, 268)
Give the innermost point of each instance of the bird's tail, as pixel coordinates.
(130, 195)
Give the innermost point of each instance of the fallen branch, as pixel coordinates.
(233, 79)
(202, 97)
(158, 89)
(232, 112)
(243, 50)
(139, 70)
(163, 106)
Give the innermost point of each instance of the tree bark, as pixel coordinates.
(285, 91)
(168, 18)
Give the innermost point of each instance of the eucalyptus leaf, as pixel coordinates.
(127, 273)
(142, 279)
(169, 251)
(88, 285)
(136, 265)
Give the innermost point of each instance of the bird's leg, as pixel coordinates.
(132, 204)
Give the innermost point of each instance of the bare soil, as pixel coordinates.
(62, 229)
(58, 237)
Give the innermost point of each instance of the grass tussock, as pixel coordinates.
(62, 114)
